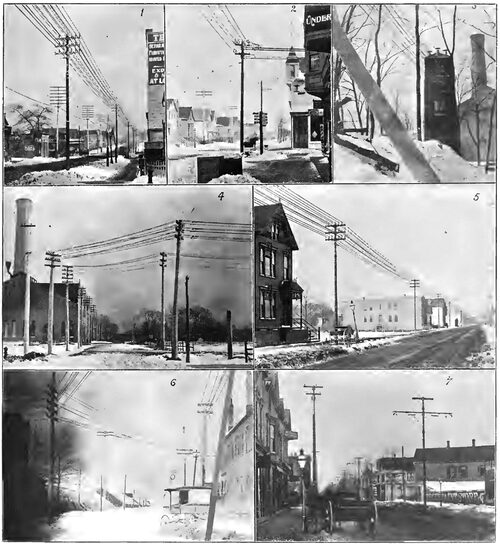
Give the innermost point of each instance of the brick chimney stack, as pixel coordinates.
(478, 62)
(447, 443)
(473, 442)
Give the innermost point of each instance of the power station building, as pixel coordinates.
(14, 291)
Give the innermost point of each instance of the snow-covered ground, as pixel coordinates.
(309, 355)
(16, 349)
(234, 178)
(486, 356)
(448, 165)
(107, 355)
(151, 524)
(14, 161)
(97, 171)
(143, 180)
(467, 486)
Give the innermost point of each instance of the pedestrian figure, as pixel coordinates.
(142, 164)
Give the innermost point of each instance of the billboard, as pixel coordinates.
(156, 58)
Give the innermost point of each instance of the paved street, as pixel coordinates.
(447, 348)
(396, 523)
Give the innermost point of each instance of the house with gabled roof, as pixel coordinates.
(279, 317)
(187, 125)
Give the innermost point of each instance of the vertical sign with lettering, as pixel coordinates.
(156, 58)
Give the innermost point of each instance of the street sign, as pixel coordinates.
(156, 58)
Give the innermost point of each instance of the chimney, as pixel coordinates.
(478, 62)
(447, 443)
(23, 234)
(473, 442)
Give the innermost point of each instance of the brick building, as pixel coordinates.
(273, 431)
(278, 297)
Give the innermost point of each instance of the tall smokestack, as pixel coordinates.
(478, 62)
(23, 234)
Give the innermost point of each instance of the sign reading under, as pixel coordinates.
(317, 18)
(156, 58)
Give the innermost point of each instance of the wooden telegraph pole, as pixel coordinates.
(116, 133)
(313, 394)
(52, 260)
(219, 457)
(52, 413)
(179, 229)
(163, 264)
(188, 346)
(229, 335)
(67, 278)
(389, 122)
(335, 233)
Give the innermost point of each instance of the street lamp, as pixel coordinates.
(353, 308)
(302, 460)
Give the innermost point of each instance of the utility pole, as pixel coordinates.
(403, 472)
(206, 410)
(108, 137)
(67, 46)
(313, 394)
(67, 278)
(196, 454)
(179, 229)
(418, 85)
(423, 413)
(125, 492)
(79, 483)
(27, 302)
(335, 233)
(52, 414)
(128, 137)
(229, 335)
(57, 98)
(116, 133)
(358, 466)
(185, 452)
(261, 120)
(79, 317)
(414, 284)
(51, 260)
(88, 113)
(93, 328)
(241, 53)
(219, 457)
(163, 263)
(188, 347)
(412, 157)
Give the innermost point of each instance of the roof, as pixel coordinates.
(223, 121)
(185, 112)
(396, 463)
(292, 285)
(292, 57)
(172, 101)
(460, 454)
(264, 216)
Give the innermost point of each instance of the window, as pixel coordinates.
(481, 470)
(267, 304)
(390, 319)
(371, 308)
(364, 319)
(371, 319)
(314, 61)
(451, 472)
(396, 318)
(293, 70)
(287, 266)
(13, 330)
(380, 318)
(439, 107)
(395, 306)
(463, 471)
(267, 262)
(275, 231)
(272, 438)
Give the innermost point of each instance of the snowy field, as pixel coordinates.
(151, 524)
(449, 167)
(97, 171)
(100, 355)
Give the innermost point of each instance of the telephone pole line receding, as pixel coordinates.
(335, 233)
(206, 410)
(414, 284)
(423, 413)
(313, 394)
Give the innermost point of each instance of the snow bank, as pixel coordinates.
(468, 486)
(97, 171)
(235, 178)
(143, 180)
(25, 161)
(448, 165)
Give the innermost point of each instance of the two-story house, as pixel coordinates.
(273, 431)
(275, 289)
(187, 131)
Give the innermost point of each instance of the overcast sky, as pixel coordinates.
(437, 234)
(354, 415)
(197, 58)
(159, 417)
(76, 215)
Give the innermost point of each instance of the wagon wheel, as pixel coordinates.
(329, 517)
